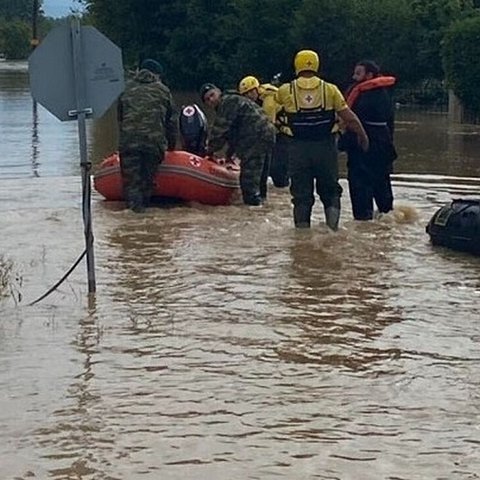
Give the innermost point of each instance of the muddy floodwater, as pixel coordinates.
(223, 344)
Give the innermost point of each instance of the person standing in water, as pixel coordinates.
(147, 128)
(369, 172)
(310, 106)
(264, 95)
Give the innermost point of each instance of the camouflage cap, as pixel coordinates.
(206, 87)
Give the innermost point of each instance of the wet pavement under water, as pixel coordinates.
(222, 343)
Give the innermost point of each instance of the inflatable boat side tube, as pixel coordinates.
(456, 225)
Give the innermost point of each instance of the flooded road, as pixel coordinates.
(223, 343)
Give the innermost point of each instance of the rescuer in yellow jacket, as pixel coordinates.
(309, 107)
(264, 95)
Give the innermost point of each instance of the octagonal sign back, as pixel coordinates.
(52, 74)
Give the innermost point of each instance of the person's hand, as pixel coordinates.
(364, 142)
(210, 157)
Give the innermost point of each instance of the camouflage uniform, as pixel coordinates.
(148, 127)
(250, 135)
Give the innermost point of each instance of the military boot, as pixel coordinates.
(253, 200)
(135, 202)
(301, 216)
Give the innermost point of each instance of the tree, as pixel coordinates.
(433, 18)
(385, 31)
(16, 9)
(326, 27)
(15, 39)
(461, 47)
(223, 40)
(140, 27)
(264, 45)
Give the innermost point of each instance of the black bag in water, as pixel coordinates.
(193, 129)
(457, 226)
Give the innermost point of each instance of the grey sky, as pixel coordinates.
(58, 8)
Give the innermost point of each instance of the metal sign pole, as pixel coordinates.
(81, 114)
(76, 73)
(34, 43)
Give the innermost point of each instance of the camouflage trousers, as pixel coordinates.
(139, 164)
(253, 176)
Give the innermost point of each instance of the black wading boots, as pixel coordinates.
(332, 215)
(301, 216)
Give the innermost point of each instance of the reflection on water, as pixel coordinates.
(223, 343)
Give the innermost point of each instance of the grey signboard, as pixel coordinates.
(55, 73)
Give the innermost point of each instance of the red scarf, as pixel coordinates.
(376, 82)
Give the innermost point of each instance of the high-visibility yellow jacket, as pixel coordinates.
(309, 101)
(266, 94)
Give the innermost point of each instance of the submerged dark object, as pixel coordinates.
(457, 226)
(193, 129)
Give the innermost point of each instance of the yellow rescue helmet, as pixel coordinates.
(306, 61)
(248, 83)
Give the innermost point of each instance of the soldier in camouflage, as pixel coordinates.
(148, 127)
(249, 133)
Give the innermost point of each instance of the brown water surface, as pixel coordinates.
(223, 344)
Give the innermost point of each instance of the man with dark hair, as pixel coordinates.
(369, 172)
(148, 127)
(249, 133)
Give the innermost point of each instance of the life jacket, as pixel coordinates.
(310, 120)
(266, 89)
(266, 99)
(382, 81)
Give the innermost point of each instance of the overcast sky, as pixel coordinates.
(58, 8)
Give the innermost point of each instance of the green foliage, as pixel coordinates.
(138, 27)
(348, 30)
(264, 45)
(223, 40)
(204, 53)
(326, 27)
(16, 27)
(385, 32)
(15, 39)
(16, 9)
(433, 18)
(461, 51)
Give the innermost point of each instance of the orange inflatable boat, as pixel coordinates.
(181, 175)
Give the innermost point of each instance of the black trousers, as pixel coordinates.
(279, 164)
(313, 166)
(369, 181)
